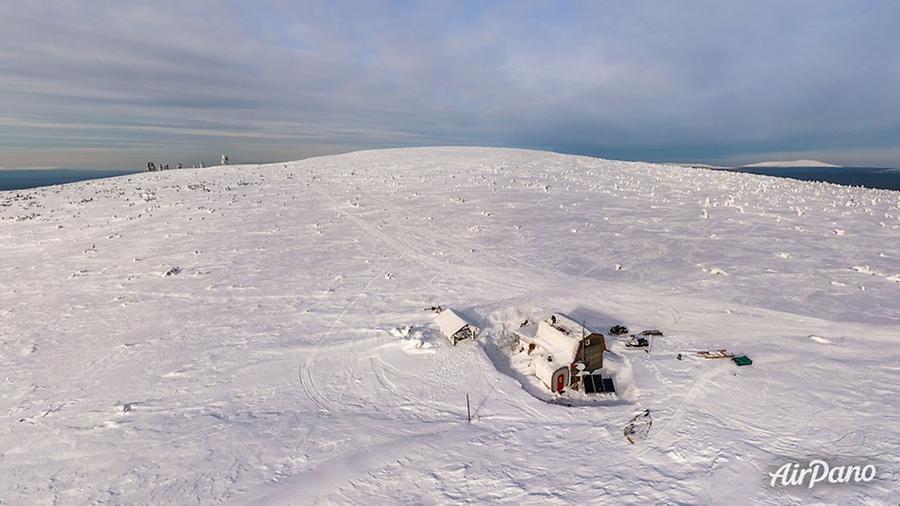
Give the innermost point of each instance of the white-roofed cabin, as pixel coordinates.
(563, 349)
(454, 327)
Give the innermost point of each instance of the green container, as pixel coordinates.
(742, 360)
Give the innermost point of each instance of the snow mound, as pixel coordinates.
(792, 163)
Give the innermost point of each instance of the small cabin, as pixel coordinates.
(563, 349)
(454, 327)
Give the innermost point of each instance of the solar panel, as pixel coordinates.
(608, 386)
(592, 386)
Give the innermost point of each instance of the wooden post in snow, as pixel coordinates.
(468, 409)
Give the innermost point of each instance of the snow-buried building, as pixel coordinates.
(562, 350)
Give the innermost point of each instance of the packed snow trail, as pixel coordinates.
(224, 334)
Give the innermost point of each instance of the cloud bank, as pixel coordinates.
(105, 83)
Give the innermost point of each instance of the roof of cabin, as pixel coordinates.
(559, 339)
(450, 322)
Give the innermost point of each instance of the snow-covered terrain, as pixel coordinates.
(239, 334)
(792, 163)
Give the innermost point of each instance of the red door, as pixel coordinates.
(560, 382)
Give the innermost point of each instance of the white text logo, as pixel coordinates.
(818, 471)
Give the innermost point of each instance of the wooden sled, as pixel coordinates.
(715, 354)
(638, 427)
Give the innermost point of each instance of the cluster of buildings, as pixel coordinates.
(565, 354)
(156, 167)
(153, 167)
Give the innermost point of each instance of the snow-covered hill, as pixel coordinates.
(224, 334)
(792, 163)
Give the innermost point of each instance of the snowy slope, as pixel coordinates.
(263, 367)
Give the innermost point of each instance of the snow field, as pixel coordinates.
(263, 368)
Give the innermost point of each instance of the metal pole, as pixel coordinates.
(468, 409)
(583, 380)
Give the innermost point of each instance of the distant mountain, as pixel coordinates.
(792, 163)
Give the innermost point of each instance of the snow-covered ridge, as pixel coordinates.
(257, 333)
(792, 163)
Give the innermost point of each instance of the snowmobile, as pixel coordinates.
(618, 330)
(637, 342)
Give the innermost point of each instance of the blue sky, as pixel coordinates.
(114, 84)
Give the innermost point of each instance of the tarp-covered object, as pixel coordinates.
(742, 360)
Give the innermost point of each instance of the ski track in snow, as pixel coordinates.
(222, 334)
